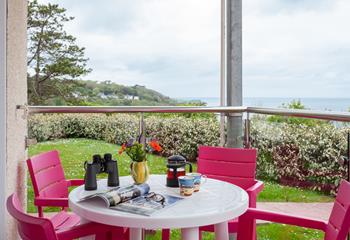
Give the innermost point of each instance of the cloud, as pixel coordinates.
(303, 52)
(297, 48)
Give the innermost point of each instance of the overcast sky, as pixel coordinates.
(291, 48)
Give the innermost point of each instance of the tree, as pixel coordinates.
(55, 61)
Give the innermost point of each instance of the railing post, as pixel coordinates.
(247, 143)
(222, 130)
(142, 129)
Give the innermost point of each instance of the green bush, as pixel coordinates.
(183, 135)
(176, 135)
(299, 153)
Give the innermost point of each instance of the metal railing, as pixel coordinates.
(322, 115)
(228, 111)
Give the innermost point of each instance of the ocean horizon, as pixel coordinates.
(329, 104)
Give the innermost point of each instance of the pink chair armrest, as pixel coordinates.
(89, 229)
(75, 182)
(253, 192)
(253, 213)
(246, 222)
(51, 202)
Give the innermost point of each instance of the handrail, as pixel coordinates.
(132, 109)
(322, 115)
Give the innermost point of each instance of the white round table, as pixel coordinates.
(216, 203)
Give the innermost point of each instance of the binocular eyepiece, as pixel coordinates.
(101, 165)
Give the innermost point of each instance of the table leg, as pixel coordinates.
(190, 233)
(136, 234)
(221, 231)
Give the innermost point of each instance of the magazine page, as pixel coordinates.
(120, 194)
(147, 204)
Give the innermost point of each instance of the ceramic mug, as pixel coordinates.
(186, 184)
(198, 180)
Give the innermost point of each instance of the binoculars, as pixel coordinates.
(101, 165)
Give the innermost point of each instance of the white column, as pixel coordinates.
(2, 118)
(16, 94)
(234, 71)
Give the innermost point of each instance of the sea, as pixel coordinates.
(329, 104)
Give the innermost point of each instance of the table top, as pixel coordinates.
(216, 202)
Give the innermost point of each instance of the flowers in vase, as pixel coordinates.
(137, 151)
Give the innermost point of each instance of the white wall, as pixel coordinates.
(15, 94)
(2, 118)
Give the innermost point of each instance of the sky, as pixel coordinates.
(291, 48)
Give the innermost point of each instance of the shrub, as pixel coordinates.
(297, 153)
(300, 153)
(177, 135)
(120, 127)
(183, 135)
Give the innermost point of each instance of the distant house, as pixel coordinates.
(107, 96)
(130, 97)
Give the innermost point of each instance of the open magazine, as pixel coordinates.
(135, 199)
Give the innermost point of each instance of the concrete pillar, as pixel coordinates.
(223, 71)
(234, 71)
(13, 86)
(2, 118)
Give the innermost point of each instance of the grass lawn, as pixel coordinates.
(274, 192)
(74, 152)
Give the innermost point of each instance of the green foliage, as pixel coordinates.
(183, 135)
(113, 94)
(297, 153)
(295, 104)
(185, 115)
(300, 153)
(54, 58)
(176, 135)
(136, 152)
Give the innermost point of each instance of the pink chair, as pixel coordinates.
(49, 183)
(337, 227)
(233, 165)
(34, 228)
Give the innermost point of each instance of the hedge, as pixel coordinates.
(291, 153)
(299, 154)
(177, 135)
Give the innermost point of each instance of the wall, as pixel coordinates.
(16, 94)
(2, 117)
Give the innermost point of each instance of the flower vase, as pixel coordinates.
(139, 171)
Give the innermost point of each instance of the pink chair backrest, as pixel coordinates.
(30, 228)
(47, 175)
(233, 165)
(339, 221)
